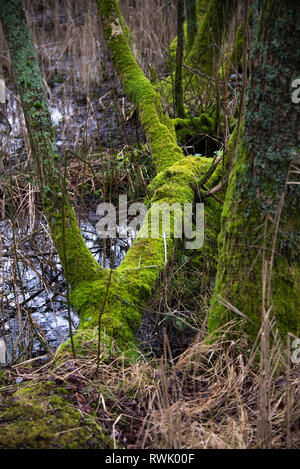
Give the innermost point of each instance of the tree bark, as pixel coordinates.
(206, 49)
(178, 89)
(259, 243)
(192, 23)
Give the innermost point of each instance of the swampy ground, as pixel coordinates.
(181, 392)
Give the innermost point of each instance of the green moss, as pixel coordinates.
(138, 88)
(41, 416)
(187, 130)
(207, 44)
(38, 105)
(75, 256)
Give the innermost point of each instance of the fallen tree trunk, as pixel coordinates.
(132, 283)
(41, 414)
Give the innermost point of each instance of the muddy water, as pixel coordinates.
(79, 122)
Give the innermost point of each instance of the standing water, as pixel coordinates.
(34, 284)
(31, 277)
(2, 352)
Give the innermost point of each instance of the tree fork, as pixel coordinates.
(132, 283)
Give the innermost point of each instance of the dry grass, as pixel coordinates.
(153, 23)
(68, 37)
(209, 398)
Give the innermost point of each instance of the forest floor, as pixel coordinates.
(208, 398)
(183, 392)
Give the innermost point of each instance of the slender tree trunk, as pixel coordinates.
(178, 89)
(192, 23)
(259, 263)
(71, 247)
(207, 44)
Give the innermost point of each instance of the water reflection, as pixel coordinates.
(34, 284)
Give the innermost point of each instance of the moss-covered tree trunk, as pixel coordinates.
(192, 23)
(178, 89)
(207, 45)
(74, 254)
(131, 284)
(259, 243)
